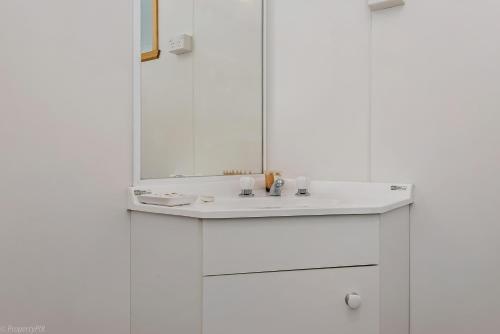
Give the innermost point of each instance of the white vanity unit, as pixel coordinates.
(334, 262)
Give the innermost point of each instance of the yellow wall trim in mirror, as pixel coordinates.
(149, 31)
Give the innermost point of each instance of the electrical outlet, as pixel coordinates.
(180, 44)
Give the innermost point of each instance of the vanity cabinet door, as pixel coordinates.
(293, 302)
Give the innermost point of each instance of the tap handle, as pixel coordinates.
(279, 181)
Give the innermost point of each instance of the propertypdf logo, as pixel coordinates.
(22, 329)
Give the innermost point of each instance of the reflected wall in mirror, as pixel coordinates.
(202, 111)
(150, 48)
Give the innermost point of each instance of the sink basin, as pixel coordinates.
(276, 202)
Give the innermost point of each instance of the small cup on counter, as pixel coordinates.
(247, 184)
(302, 186)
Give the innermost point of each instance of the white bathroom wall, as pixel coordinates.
(436, 121)
(65, 164)
(319, 70)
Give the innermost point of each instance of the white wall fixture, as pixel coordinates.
(180, 44)
(384, 4)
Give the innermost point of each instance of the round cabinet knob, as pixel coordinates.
(353, 300)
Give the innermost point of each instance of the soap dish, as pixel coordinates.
(170, 199)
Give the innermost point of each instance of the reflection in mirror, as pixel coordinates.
(201, 108)
(149, 30)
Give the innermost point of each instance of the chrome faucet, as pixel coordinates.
(277, 187)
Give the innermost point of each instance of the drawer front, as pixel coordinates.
(292, 302)
(234, 246)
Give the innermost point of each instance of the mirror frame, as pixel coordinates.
(136, 116)
(155, 52)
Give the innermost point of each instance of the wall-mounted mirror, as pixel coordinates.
(150, 48)
(201, 107)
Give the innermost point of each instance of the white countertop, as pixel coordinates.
(327, 198)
